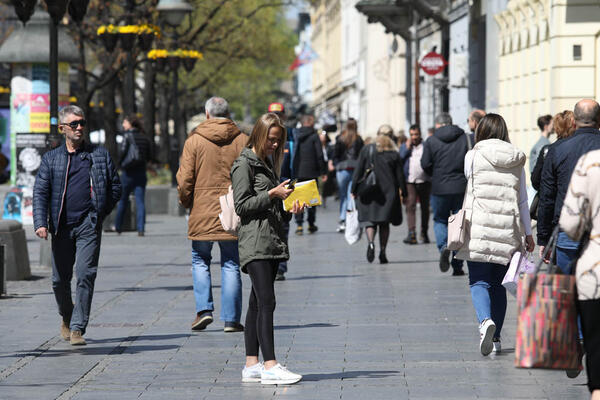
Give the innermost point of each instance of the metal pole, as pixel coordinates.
(53, 78)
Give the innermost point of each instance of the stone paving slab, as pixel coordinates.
(354, 330)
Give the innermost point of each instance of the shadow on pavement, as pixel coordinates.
(142, 337)
(315, 325)
(90, 351)
(414, 261)
(303, 278)
(349, 375)
(148, 289)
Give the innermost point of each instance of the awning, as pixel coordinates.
(396, 15)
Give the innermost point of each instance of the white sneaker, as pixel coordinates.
(486, 334)
(252, 374)
(497, 346)
(278, 375)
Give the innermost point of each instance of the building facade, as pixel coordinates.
(360, 71)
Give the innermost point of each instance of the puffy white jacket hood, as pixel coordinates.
(500, 153)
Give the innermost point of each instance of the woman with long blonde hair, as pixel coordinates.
(262, 242)
(379, 205)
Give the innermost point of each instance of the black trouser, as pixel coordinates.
(589, 311)
(259, 317)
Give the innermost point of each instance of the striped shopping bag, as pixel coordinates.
(547, 334)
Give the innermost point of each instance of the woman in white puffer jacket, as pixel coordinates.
(499, 223)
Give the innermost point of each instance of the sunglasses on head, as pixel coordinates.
(74, 124)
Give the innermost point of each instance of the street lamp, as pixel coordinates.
(173, 12)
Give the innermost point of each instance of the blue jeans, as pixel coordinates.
(443, 206)
(132, 181)
(77, 245)
(566, 251)
(487, 292)
(231, 282)
(344, 180)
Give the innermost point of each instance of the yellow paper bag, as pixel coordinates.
(306, 192)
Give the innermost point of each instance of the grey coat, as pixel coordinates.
(260, 235)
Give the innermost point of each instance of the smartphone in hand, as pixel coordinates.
(292, 184)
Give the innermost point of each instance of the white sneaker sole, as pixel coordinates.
(487, 345)
(279, 381)
(250, 380)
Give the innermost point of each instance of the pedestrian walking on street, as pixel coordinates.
(418, 186)
(381, 205)
(545, 124)
(496, 193)
(135, 154)
(286, 173)
(258, 196)
(203, 177)
(443, 160)
(77, 185)
(345, 159)
(558, 167)
(563, 124)
(474, 118)
(580, 220)
(309, 163)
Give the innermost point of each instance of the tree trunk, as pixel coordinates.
(110, 119)
(149, 107)
(163, 117)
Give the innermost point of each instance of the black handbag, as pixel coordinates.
(534, 206)
(132, 156)
(368, 183)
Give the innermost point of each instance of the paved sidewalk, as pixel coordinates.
(354, 330)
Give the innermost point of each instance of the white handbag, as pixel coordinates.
(458, 225)
(230, 221)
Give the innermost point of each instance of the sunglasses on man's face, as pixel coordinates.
(74, 124)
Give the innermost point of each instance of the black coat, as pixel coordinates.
(382, 204)
(556, 175)
(143, 144)
(444, 158)
(309, 162)
(346, 157)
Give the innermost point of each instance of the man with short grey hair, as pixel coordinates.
(443, 160)
(77, 185)
(216, 107)
(204, 176)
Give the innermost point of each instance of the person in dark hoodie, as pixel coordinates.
(308, 164)
(443, 160)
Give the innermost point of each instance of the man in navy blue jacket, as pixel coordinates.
(77, 185)
(559, 164)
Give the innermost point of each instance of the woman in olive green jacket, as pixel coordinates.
(262, 243)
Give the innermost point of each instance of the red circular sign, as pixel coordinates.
(433, 63)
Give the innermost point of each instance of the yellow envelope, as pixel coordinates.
(306, 192)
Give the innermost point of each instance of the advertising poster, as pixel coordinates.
(30, 148)
(39, 117)
(12, 205)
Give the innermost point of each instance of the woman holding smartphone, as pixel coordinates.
(262, 242)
